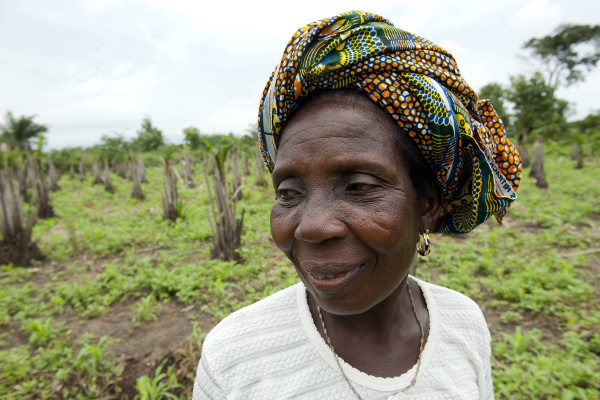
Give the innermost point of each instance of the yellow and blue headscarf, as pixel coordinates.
(418, 83)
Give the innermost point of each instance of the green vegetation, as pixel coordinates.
(112, 261)
(536, 278)
(113, 296)
(148, 137)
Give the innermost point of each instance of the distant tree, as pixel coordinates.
(498, 95)
(192, 137)
(536, 109)
(589, 128)
(63, 158)
(564, 54)
(590, 125)
(17, 132)
(149, 137)
(114, 147)
(116, 142)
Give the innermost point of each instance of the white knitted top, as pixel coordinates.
(272, 350)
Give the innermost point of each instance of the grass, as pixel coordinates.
(117, 276)
(535, 281)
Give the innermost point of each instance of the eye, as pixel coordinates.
(360, 187)
(288, 192)
(285, 194)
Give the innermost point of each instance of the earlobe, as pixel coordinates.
(430, 209)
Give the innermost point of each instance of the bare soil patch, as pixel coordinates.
(551, 328)
(142, 347)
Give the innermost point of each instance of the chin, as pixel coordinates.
(340, 303)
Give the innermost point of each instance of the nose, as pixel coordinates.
(320, 221)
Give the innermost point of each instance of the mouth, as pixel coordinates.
(329, 279)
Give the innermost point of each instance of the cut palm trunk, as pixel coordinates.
(142, 169)
(44, 208)
(226, 229)
(188, 172)
(21, 173)
(237, 181)
(97, 174)
(108, 186)
(246, 164)
(260, 168)
(53, 175)
(577, 155)
(16, 245)
(71, 171)
(120, 169)
(170, 201)
(81, 171)
(136, 191)
(537, 166)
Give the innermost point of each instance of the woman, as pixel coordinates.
(373, 140)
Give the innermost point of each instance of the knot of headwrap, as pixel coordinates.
(419, 85)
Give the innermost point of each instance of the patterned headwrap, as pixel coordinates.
(419, 85)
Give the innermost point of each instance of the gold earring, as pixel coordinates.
(425, 248)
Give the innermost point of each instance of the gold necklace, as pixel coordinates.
(413, 380)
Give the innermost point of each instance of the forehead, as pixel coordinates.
(340, 124)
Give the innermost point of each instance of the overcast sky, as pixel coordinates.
(87, 68)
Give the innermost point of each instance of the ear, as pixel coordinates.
(431, 205)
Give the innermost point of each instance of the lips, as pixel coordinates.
(329, 278)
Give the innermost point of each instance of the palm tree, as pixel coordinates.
(17, 132)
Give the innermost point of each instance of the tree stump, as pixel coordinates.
(108, 186)
(577, 155)
(81, 171)
(188, 172)
(136, 191)
(170, 199)
(237, 180)
(142, 169)
(53, 174)
(44, 208)
(537, 166)
(97, 175)
(16, 245)
(260, 168)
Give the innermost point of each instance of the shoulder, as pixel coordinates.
(450, 301)
(267, 313)
(253, 332)
(457, 313)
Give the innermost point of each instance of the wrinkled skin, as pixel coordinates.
(345, 205)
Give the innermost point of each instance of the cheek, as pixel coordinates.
(282, 228)
(390, 228)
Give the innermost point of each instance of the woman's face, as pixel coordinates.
(346, 213)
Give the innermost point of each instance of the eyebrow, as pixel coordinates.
(353, 165)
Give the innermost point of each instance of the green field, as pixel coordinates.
(121, 303)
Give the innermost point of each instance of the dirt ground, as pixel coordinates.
(141, 348)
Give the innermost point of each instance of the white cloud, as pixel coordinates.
(538, 10)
